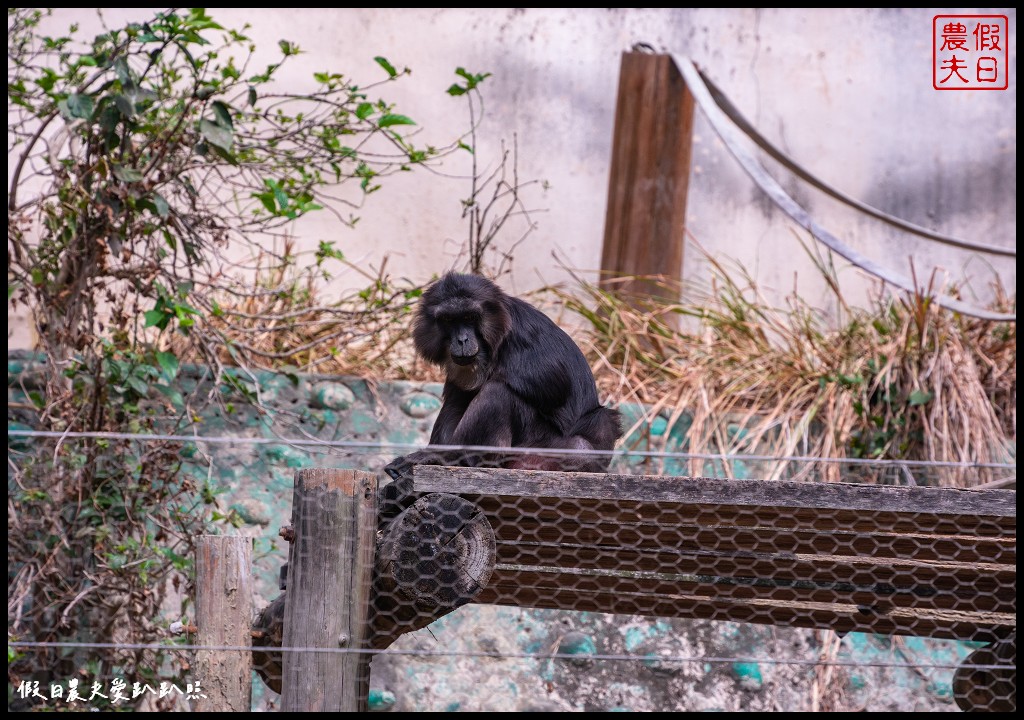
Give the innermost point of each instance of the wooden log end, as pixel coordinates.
(439, 552)
(986, 681)
(434, 557)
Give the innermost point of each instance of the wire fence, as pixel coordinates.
(549, 591)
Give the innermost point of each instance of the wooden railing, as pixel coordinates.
(934, 562)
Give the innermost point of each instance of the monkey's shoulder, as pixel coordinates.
(531, 325)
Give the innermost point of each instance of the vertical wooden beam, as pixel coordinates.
(224, 588)
(645, 224)
(330, 571)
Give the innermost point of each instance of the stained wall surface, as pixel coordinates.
(847, 93)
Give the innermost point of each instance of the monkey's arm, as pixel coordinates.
(483, 419)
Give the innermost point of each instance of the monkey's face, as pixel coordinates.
(467, 356)
(460, 322)
(450, 332)
(464, 343)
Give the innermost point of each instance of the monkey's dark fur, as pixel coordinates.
(514, 379)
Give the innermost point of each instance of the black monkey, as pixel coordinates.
(514, 379)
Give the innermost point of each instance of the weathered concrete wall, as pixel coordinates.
(846, 92)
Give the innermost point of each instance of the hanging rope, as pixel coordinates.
(727, 131)
(743, 124)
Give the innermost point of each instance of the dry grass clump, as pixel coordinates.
(285, 321)
(899, 380)
(902, 379)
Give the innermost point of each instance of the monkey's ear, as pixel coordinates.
(495, 323)
(429, 339)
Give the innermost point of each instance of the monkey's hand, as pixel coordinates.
(398, 495)
(400, 468)
(394, 497)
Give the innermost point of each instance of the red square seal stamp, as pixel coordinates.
(970, 52)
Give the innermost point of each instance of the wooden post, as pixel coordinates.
(224, 588)
(434, 557)
(330, 571)
(644, 230)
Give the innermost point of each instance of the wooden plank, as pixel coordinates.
(769, 592)
(224, 591)
(904, 560)
(629, 514)
(515, 587)
(716, 491)
(330, 573)
(645, 221)
(1007, 483)
(959, 587)
(649, 536)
